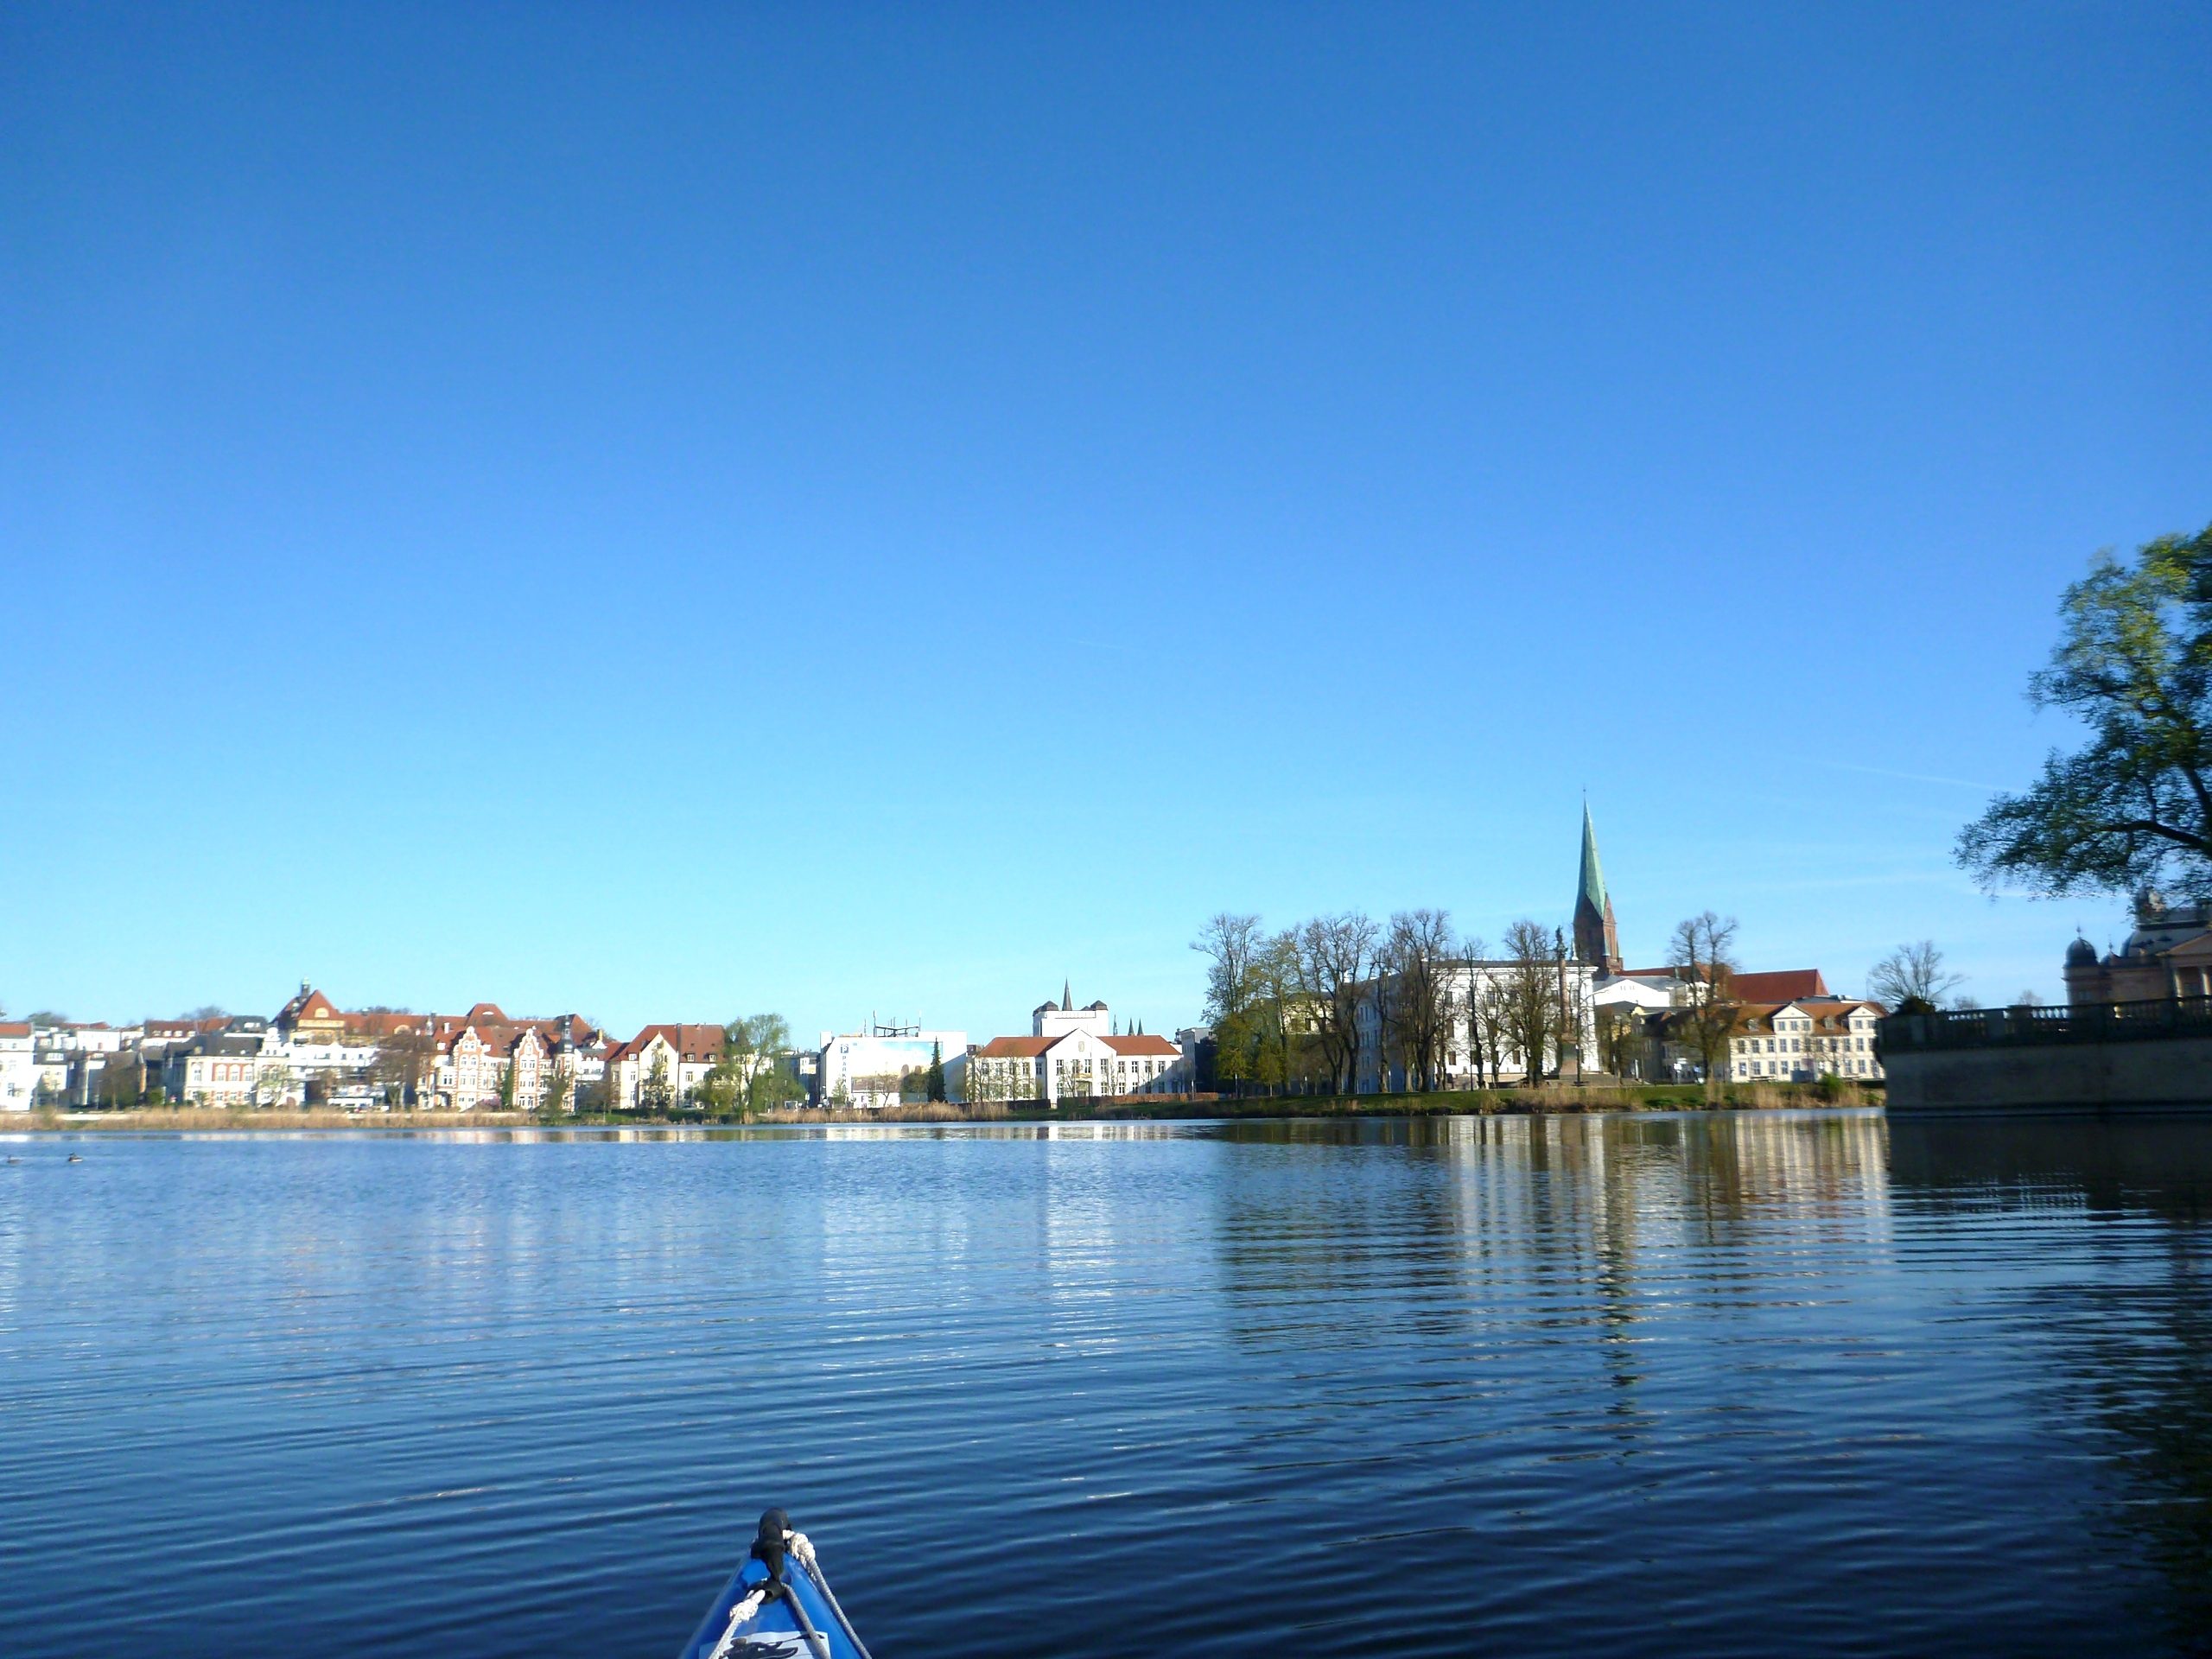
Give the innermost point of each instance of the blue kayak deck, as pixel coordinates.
(773, 1632)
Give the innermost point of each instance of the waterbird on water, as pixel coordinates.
(75, 1159)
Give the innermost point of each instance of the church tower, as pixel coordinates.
(1597, 941)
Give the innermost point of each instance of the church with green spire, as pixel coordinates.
(1596, 940)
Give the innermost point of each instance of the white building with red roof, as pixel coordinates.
(485, 1058)
(1806, 1039)
(1072, 1054)
(668, 1062)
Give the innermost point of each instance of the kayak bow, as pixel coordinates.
(768, 1611)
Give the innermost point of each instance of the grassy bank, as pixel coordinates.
(1550, 1099)
(1482, 1102)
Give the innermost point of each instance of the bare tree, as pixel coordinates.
(1335, 957)
(405, 1064)
(986, 1081)
(1232, 944)
(1281, 1007)
(121, 1082)
(1477, 1008)
(1525, 1003)
(1702, 956)
(1911, 978)
(1414, 992)
(1576, 1016)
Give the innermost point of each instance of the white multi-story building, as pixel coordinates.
(1471, 991)
(18, 1067)
(241, 1065)
(678, 1056)
(1073, 1054)
(331, 1066)
(862, 1069)
(1648, 993)
(1806, 1040)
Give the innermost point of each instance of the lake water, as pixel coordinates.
(1754, 1385)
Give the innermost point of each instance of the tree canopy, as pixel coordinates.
(2133, 805)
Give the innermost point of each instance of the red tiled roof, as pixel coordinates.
(1784, 985)
(14, 1028)
(1145, 1044)
(690, 1042)
(385, 1023)
(308, 1004)
(1015, 1048)
(1776, 985)
(1757, 1016)
(1836, 1016)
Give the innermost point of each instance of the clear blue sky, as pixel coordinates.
(676, 511)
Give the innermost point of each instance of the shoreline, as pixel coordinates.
(1548, 1101)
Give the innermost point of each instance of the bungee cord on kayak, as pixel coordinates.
(763, 1614)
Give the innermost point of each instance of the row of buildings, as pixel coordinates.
(314, 1053)
(1781, 1026)
(1070, 1053)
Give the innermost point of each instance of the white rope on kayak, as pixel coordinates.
(739, 1615)
(804, 1551)
(744, 1610)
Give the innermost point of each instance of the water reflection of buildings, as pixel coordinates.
(1622, 1183)
(1496, 1237)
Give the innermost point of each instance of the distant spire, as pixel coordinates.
(1596, 939)
(1067, 997)
(1592, 886)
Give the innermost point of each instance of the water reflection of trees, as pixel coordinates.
(1526, 1230)
(2132, 1345)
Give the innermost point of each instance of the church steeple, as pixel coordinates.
(1067, 996)
(1597, 941)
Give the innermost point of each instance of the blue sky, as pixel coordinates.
(677, 511)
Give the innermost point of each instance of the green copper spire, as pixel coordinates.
(1592, 890)
(1597, 941)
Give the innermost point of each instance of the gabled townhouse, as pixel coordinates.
(239, 1065)
(476, 1063)
(310, 1017)
(1802, 1041)
(674, 1058)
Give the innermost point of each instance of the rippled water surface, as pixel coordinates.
(1756, 1384)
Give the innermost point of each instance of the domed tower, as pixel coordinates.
(2085, 974)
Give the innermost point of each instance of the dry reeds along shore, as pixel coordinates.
(1551, 1100)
